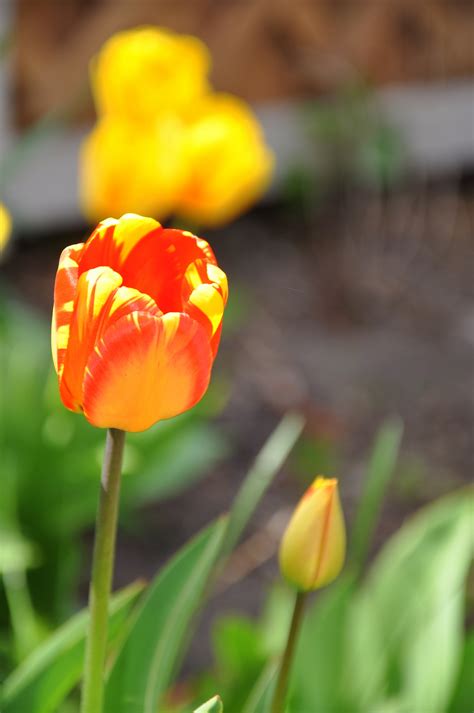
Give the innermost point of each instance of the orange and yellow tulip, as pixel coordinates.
(313, 547)
(136, 322)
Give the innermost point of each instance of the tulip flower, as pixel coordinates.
(130, 168)
(136, 322)
(313, 548)
(229, 165)
(5, 227)
(141, 72)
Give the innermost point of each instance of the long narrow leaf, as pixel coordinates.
(381, 466)
(260, 696)
(267, 464)
(46, 677)
(143, 669)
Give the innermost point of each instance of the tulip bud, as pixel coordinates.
(5, 227)
(313, 547)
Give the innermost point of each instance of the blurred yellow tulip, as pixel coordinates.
(313, 547)
(164, 143)
(5, 227)
(125, 168)
(229, 165)
(148, 70)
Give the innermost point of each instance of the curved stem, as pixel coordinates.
(102, 571)
(279, 698)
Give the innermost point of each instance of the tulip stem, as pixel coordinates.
(279, 697)
(102, 571)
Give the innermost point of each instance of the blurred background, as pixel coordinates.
(352, 292)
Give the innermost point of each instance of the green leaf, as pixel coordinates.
(237, 646)
(464, 693)
(267, 464)
(406, 628)
(144, 666)
(381, 467)
(261, 695)
(212, 706)
(46, 677)
(317, 672)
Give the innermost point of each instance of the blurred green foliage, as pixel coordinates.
(50, 465)
(354, 146)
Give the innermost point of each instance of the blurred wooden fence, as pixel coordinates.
(262, 49)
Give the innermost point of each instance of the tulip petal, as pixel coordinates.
(205, 293)
(157, 264)
(146, 368)
(150, 258)
(113, 240)
(333, 544)
(64, 292)
(100, 301)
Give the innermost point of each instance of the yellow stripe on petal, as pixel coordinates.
(64, 292)
(94, 290)
(207, 299)
(130, 229)
(218, 277)
(101, 300)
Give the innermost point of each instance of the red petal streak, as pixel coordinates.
(158, 263)
(150, 258)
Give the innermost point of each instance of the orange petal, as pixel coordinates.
(144, 369)
(100, 301)
(64, 292)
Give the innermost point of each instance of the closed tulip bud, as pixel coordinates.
(313, 547)
(136, 322)
(5, 227)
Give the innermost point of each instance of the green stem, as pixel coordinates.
(279, 698)
(102, 570)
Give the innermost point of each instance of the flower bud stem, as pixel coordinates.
(102, 571)
(279, 698)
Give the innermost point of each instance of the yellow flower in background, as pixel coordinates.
(123, 169)
(141, 72)
(164, 143)
(229, 165)
(313, 548)
(5, 227)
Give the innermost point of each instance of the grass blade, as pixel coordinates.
(382, 463)
(267, 464)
